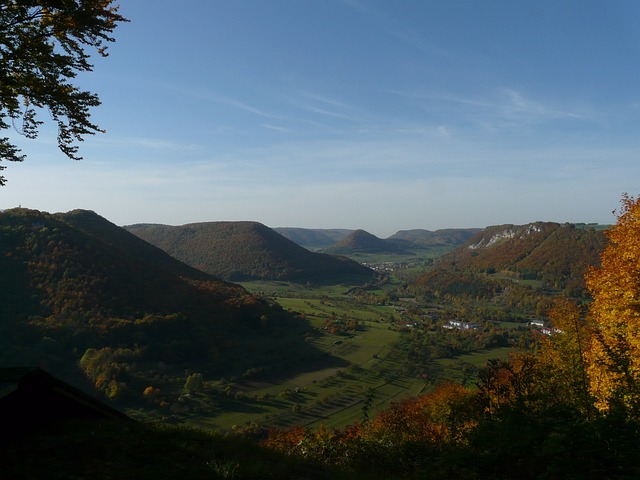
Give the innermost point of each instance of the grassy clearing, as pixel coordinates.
(515, 278)
(283, 289)
(461, 369)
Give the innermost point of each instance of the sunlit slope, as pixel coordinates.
(247, 250)
(555, 254)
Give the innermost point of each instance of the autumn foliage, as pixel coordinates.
(399, 438)
(614, 353)
(567, 407)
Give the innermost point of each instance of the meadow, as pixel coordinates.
(365, 369)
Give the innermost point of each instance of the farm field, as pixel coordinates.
(367, 344)
(334, 396)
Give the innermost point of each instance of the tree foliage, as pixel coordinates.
(44, 44)
(194, 383)
(75, 283)
(614, 354)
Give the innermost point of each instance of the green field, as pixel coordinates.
(457, 369)
(420, 255)
(363, 371)
(333, 396)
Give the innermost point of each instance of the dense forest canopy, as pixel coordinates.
(239, 251)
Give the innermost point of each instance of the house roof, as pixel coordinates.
(33, 391)
(9, 378)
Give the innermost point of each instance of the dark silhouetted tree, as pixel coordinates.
(43, 46)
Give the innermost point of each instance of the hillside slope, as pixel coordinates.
(77, 289)
(420, 238)
(313, 238)
(361, 241)
(557, 254)
(247, 250)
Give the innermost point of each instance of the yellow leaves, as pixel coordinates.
(613, 356)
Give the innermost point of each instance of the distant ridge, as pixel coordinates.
(557, 254)
(419, 238)
(240, 251)
(313, 238)
(361, 241)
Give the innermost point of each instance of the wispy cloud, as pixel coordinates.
(275, 128)
(517, 103)
(210, 96)
(343, 184)
(232, 102)
(136, 144)
(499, 109)
(325, 106)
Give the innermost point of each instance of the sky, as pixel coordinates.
(384, 115)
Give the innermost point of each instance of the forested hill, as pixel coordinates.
(247, 250)
(79, 262)
(420, 238)
(557, 254)
(361, 241)
(98, 227)
(75, 288)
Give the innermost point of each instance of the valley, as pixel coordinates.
(389, 339)
(432, 348)
(305, 339)
(369, 340)
(244, 310)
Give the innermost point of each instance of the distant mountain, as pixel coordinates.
(76, 289)
(419, 238)
(360, 241)
(247, 250)
(557, 254)
(313, 238)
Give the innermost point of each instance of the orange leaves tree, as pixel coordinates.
(613, 356)
(407, 436)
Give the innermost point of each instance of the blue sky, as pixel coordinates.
(381, 115)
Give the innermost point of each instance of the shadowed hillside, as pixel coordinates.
(247, 250)
(78, 291)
